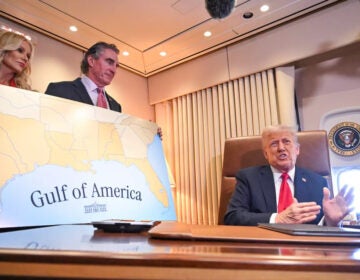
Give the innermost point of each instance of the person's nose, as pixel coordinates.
(281, 147)
(24, 57)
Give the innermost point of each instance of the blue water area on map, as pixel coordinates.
(57, 194)
(157, 161)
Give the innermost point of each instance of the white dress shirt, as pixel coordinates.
(277, 182)
(91, 88)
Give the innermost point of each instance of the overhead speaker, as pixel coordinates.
(219, 8)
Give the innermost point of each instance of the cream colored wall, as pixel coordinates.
(131, 91)
(329, 29)
(328, 93)
(55, 61)
(52, 61)
(327, 86)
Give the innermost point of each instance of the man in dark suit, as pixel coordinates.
(257, 193)
(99, 67)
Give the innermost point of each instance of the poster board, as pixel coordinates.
(65, 162)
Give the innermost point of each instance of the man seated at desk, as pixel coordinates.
(282, 192)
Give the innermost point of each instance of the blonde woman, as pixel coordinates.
(15, 54)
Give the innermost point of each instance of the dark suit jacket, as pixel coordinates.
(75, 90)
(254, 198)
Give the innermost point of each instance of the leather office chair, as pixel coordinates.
(244, 152)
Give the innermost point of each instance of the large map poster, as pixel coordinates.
(66, 162)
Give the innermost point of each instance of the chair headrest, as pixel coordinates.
(247, 151)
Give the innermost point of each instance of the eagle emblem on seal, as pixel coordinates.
(344, 138)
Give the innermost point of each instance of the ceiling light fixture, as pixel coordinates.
(207, 33)
(264, 8)
(125, 53)
(73, 28)
(163, 53)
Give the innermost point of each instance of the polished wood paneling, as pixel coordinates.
(80, 251)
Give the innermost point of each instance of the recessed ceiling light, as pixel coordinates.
(73, 28)
(163, 53)
(207, 33)
(264, 8)
(125, 53)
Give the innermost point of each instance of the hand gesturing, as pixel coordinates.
(298, 213)
(337, 208)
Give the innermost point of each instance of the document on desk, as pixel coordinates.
(174, 230)
(65, 162)
(312, 230)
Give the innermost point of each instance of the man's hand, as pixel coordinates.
(337, 208)
(298, 213)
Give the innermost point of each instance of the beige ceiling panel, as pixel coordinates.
(183, 49)
(280, 11)
(192, 43)
(140, 24)
(57, 26)
(297, 40)
(143, 28)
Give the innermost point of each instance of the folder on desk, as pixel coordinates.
(183, 231)
(312, 230)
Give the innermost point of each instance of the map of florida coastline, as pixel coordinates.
(55, 136)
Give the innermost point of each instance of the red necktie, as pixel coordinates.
(285, 197)
(101, 101)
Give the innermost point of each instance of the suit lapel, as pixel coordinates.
(110, 101)
(82, 92)
(268, 188)
(302, 187)
(113, 103)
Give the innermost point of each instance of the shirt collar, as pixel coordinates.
(277, 173)
(89, 84)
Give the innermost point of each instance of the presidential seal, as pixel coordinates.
(344, 138)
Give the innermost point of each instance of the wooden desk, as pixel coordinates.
(79, 251)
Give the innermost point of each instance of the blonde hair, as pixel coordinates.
(279, 128)
(10, 41)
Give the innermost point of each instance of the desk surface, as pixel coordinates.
(80, 251)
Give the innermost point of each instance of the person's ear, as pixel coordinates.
(90, 60)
